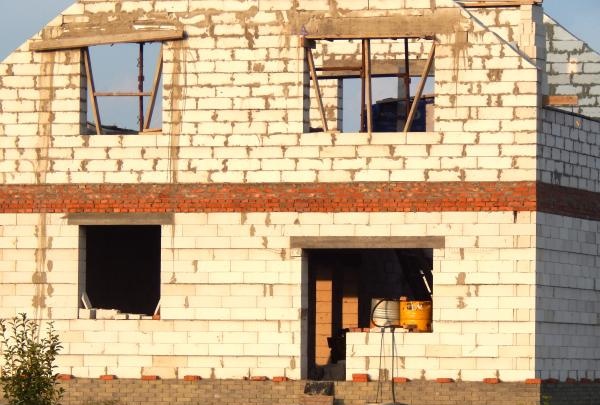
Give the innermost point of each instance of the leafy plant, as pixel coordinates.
(27, 373)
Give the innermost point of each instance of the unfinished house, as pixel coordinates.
(396, 191)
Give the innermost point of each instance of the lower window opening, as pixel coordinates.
(345, 286)
(122, 269)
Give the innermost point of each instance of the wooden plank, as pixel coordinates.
(406, 77)
(334, 69)
(92, 90)
(368, 84)
(141, 86)
(85, 300)
(154, 92)
(561, 100)
(105, 39)
(440, 21)
(121, 94)
(419, 93)
(315, 80)
(338, 68)
(367, 242)
(120, 219)
(363, 118)
(498, 3)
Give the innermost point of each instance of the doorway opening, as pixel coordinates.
(344, 284)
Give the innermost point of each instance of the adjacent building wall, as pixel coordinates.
(567, 331)
(573, 68)
(568, 298)
(568, 151)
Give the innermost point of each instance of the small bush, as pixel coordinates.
(27, 374)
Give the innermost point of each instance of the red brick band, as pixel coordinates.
(323, 197)
(297, 197)
(567, 201)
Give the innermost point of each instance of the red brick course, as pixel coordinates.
(305, 197)
(301, 197)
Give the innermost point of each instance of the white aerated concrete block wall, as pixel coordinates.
(321, 157)
(569, 151)
(231, 296)
(483, 305)
(40, 93)
(568, 298)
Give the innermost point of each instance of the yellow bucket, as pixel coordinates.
(416, 315)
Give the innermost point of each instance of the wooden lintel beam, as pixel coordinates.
(441, 21)
(105, 39)
(120, 218)
(558, 100)
(367, 242)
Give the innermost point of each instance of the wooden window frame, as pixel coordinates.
(140, 37)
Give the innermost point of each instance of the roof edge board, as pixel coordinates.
(502, 40)
(497, 3)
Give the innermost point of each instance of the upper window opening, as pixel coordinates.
(124, 88)
(386, 85)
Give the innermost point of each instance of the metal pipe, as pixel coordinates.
(141, 86)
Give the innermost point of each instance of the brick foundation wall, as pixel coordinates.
(235, 392)
(230, 392)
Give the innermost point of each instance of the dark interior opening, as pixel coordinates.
(342, 286)
(123, 267)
